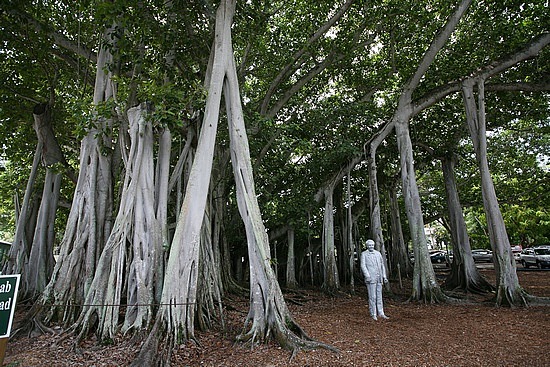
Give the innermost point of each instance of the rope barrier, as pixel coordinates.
(122, 305)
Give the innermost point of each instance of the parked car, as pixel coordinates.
(439, 257)
(516, 252)
(482, 255)
(538, 256)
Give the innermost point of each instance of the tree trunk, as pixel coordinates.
(268, 316)
(400, 254)
(89, 222)
(209, 284)
(41, 260)
(161, 203)
(291, 262)
(32, 251)
(175, 320)
(310, 250)
(464, 274)
(425, 286)
(133, 251)
(374, 199)
(18, 256)
(180, 284)
(509, 291)
(229, 283)
(331, 283)
(349, 236)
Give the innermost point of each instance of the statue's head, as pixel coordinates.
(370, 245)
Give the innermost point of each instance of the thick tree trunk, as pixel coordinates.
(175, 320)
(133, 251)
(509, 291)
(268, 316)
(425, 286)
(209, 284)
(41, 259)
(89, 222)
(464, 274)
(87, 227)
(180, 286)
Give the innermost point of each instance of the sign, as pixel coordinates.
(9, 284)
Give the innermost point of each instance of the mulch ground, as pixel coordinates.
(478, 334)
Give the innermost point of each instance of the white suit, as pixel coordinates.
(374, 273)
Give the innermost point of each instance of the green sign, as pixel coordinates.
(9, 285)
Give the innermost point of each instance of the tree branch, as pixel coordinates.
(434, 48)
(295, 62)
(531, 50)
(58, 38)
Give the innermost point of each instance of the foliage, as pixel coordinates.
(363, 61)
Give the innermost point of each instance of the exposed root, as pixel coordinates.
(293, 354)
(335, 293)
(511, 297)
(478, 286)
(290, 337)
(520, 298)
(294, 301)
(32, 324)
(149, 355)
(537, 301)
(453, 299)
(235, 288)
(429, 296)
(297, 296)
(457, 301)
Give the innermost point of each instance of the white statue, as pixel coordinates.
(374, 274)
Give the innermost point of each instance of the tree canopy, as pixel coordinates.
(318, 82)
